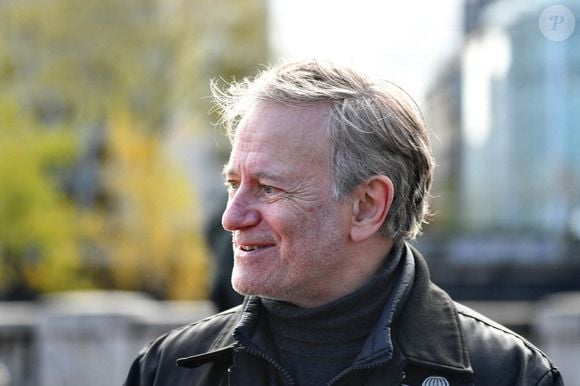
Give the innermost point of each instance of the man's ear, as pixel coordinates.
(372, 201)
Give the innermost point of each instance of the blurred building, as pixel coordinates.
(473, 11)
(443, 114)
(521, 167)
(505, 124)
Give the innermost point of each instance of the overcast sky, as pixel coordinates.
(402, 41)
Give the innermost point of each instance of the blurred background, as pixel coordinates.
(110, 187)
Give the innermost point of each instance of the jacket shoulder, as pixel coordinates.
(160, 355)
(500, 356)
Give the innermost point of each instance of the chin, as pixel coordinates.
(245, 287)
(251, 288)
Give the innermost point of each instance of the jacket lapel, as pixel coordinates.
(222, 347)
(428, 330)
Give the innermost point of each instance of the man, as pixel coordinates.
(328, 177)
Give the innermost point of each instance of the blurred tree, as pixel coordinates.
(66, 63)
(38, 249)
(149, 235)
(70, 60)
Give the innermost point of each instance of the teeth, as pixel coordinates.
(250, 248)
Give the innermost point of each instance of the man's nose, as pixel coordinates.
(239, 212)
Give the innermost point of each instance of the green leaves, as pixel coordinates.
(135, 70)
(37, 232)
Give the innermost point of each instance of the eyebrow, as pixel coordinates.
(228, 171)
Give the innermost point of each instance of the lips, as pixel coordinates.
(247, 243)
(249, 248)
(253, 247)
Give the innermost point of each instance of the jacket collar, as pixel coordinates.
(422, 317)
(428, 330)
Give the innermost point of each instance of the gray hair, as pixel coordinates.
(375, 129)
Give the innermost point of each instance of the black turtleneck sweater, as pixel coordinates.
(316, 344)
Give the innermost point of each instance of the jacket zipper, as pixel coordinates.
(230, 375)
(271, 361)
(350, 369)
(403, 377)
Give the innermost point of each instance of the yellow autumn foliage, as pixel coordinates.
(152, 234)
(90, 198)
(38, 248)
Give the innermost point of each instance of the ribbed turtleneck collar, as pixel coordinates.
(314, 344)
(350, 318)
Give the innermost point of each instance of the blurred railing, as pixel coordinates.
(85, 338)
(91, 338)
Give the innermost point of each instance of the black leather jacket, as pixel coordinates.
(423, 339)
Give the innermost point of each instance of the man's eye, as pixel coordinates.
(232, 185)
(268, 189)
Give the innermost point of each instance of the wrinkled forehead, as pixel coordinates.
(286, 126)
(284, 139)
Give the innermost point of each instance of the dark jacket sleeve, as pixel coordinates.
(143, 370)
(134, 377)
(552, 378)
(501, 357)
(156, 364)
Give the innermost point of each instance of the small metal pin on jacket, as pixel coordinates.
(435, 381)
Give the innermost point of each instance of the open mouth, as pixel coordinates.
(250, 248)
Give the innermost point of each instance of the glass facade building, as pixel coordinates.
(521, 122)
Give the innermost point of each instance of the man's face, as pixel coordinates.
(289, 233)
